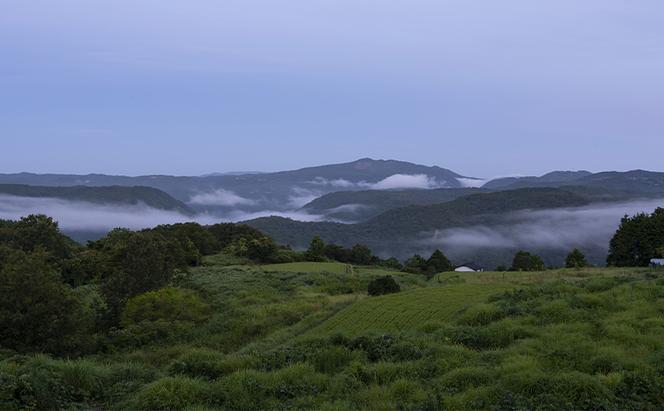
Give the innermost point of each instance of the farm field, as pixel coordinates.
(407, 310)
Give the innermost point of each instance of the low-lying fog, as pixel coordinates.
(92, 217)
(554, 229)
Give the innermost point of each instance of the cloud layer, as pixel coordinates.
(395, 181)
(220, 197)
(560, 229)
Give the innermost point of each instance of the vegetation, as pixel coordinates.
(576, 259)
(637, 240)
(382, 286)
(130, 322)
(525, 261)
(343, 205)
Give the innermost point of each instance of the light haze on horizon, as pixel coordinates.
(480, 87)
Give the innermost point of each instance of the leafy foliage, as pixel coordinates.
(383, 285)
(38, 312)
(169, 304)
(525, 261)
(576, 259)
(316, 251)
(637, 240)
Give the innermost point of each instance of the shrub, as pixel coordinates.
(480, 314)
(199, 363)
(168, 304)
(383, 285)
(332, 359)
(172, 393)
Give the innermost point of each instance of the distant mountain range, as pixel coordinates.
(112, 196)
(278, 191)
(395, 207)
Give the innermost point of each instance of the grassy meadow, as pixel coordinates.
(306, 336)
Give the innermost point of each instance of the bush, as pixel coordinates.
(332, 359)
(168, 304)
(172, 393)
(481, 314)
(383, 285)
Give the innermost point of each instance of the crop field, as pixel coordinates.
(518, 278)
(310, 267)
(336, 268)
(407, 310)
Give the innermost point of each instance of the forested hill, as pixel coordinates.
(407, 222)
(112, 195)
(636, 182)
(363, 205)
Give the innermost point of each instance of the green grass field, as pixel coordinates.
(306, 336)
(407, 310)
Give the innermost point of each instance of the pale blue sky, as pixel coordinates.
(485, 88)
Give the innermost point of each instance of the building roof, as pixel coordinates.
(471, 266)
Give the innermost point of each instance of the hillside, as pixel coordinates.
(284, 190)
(274, 337)
(404, 231)
(363, 205)
(635, 183)
(112, 195)
(554, 177)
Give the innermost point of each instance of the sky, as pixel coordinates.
(485, 88)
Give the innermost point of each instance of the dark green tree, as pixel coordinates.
(134, 263)
(416, 265)
(637, 240)
(262, 250)
(337, 253)
(38, 311)
(382, 286)
(361, 255)
(41, 232)
(316, 251)
(393, 263)
(438, 263)
(576, 259)
(228, 233)
(524, 261)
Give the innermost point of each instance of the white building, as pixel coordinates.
(468, 268)
(657, 262)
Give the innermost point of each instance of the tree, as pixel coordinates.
(576, 259)
(228, 233)
(361, 255)
(393, 263)
(438, 262)
(637, 240)
(337, 253)
(382, 286)
(38, 312)
(415, 264)
(316, 251)
(41, 232)
(136, 262)
(524, 261)
(261, 250)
